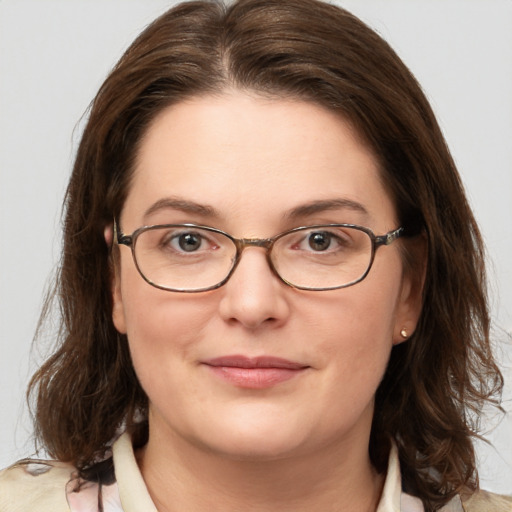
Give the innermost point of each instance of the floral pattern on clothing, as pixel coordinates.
(96, 492)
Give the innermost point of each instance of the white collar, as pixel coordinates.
(132, 489)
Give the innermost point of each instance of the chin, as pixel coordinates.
(253, 449)
(252, 440)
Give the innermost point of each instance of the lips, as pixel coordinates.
(254, 373)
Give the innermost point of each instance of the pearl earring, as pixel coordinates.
(404, 333)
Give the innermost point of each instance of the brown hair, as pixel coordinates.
(435, 384)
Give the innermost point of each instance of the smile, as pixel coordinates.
(254, 373)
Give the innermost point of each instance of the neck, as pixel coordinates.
(182, 476)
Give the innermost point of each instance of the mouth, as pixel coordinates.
(254, 373)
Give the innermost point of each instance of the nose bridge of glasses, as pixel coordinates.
(264, 243)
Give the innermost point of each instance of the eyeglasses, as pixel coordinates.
(192, 258)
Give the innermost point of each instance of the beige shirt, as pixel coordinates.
(43, 486)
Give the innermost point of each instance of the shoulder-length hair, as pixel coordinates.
(430, 397)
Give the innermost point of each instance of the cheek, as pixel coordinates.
(163, 328)
(356, 351)
(353, 330)
(358, 317)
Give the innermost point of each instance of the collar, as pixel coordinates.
(133, 492)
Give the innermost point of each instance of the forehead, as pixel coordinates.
(248, 155)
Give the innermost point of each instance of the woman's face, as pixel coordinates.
(250, 166)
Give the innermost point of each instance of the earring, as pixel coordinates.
(404, 333)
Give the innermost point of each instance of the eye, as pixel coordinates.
(183, 242)
(320, 240)
(189, 242)
(316, 241)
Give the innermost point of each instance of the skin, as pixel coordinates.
(301, 444)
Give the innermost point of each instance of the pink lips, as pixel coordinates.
(254, 373)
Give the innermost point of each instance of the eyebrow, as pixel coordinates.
(304, 210)
(326, 205)
(183, 205)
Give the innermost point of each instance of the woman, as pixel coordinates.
(272, 286)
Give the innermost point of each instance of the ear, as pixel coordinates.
(410, 302)
(118, 317)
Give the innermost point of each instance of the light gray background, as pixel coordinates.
(54, 54)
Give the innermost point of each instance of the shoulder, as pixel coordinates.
(33, 485)
(483, 501)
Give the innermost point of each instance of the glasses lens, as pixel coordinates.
(323, 256)
(184, 258)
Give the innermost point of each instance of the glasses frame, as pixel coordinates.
(265, 243)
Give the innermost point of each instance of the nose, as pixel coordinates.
(254, 297)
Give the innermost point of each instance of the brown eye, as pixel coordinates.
(319, 241)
